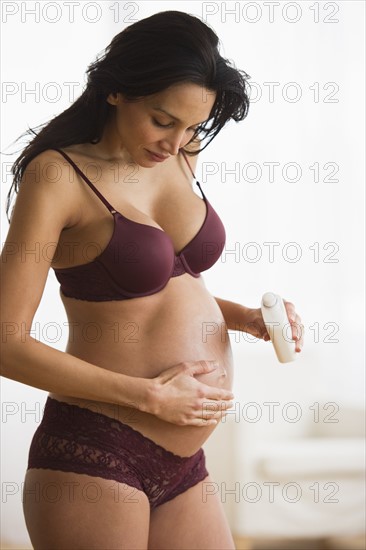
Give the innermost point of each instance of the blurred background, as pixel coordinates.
(288, 182)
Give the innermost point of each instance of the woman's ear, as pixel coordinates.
(114, 98)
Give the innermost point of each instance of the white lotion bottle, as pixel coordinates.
(278, 327)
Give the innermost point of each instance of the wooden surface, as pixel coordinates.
(345, 543)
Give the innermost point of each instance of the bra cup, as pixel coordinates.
(139, 258)
(208, 245)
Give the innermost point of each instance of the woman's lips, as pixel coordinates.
(156, 156)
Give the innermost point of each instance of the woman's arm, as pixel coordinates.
(245, 319)
(237, 316)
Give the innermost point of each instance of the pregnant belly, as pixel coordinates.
(181, 323)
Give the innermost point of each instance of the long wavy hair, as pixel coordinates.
(147, 57)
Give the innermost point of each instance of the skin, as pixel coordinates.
(167, 347)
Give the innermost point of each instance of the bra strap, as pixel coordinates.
(77, 169)
(189, 166)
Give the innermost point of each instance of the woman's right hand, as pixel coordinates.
(176, 396)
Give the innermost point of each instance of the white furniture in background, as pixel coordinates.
(303, 473)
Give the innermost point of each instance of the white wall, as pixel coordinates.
(323, 217)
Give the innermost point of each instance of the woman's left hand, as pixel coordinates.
(254, 325)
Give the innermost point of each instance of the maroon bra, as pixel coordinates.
(139, 259)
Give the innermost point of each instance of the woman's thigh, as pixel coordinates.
(64, 510)
(194, 519)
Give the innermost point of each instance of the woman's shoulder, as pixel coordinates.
(42, 166)
(47, 180)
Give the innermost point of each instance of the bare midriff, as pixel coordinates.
(144, 336)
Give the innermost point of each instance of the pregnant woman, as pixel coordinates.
(107, 186)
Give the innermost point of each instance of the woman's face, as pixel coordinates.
(155, 127)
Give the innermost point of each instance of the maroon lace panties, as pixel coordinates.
(75, 439)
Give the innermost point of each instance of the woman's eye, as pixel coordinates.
(170, 125)
(157, 123)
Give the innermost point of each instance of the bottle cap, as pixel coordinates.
(269, 299)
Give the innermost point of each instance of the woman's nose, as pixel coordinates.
(174, 142)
